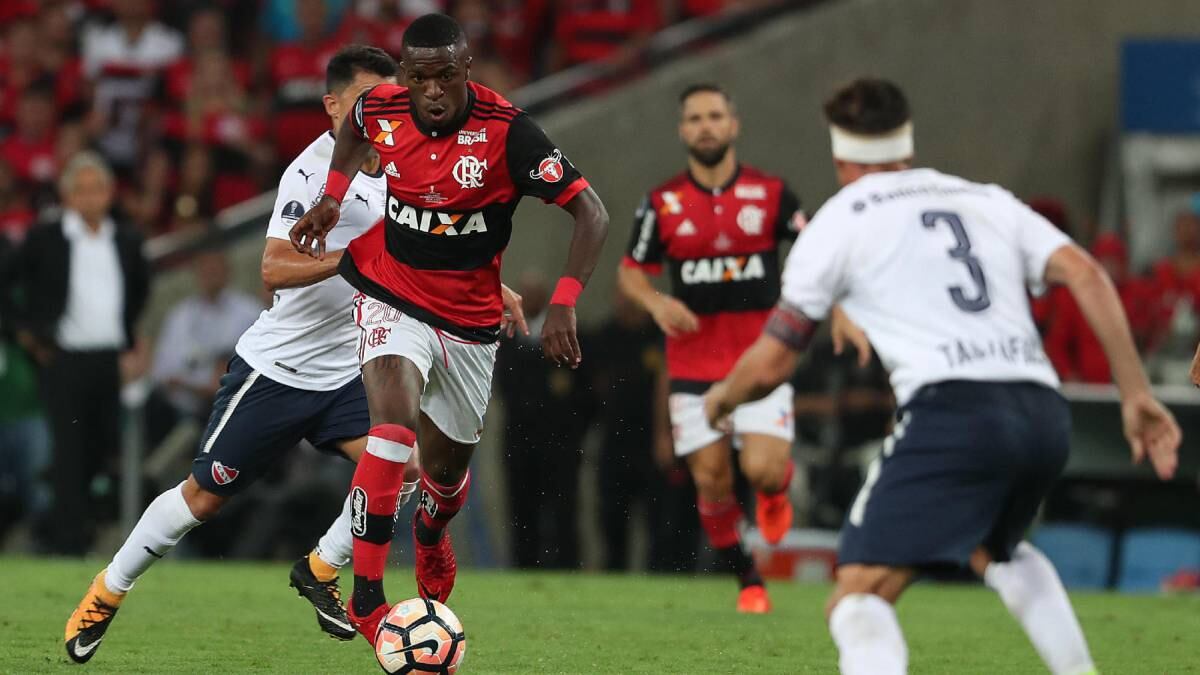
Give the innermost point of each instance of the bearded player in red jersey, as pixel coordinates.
(458, 159)
(719, 226)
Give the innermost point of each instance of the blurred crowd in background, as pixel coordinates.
(196, 106)
(198, 103)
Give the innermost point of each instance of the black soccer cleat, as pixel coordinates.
(326, 599)
(85, 628)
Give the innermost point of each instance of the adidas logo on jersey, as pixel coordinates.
(720, 270)
(686, 229)
(436, 222)
(391, 170)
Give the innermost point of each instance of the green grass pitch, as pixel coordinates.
(222, 618)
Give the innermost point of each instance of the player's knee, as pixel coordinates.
(765, 474)
(202, 503)
(886, 582)
(713, 483)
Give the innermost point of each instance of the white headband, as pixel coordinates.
(893, 146)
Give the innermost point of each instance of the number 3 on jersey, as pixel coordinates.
(961, 252)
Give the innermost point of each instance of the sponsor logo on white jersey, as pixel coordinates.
(468, 171)
(750, 191)
(723, 269)
(751, 219)
(436, 222)
(686, 229)
(391, 170)
(472, 137)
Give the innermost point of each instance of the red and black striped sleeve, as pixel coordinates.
(383, 101)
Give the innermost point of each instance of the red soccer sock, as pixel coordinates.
(439, 504)
(374, 491)
(780, 493)
(719, 520)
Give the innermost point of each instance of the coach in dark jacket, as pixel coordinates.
(80, 285)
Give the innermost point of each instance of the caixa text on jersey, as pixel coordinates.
(435, 222)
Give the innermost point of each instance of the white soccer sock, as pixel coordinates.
(161, 526)
(868, 637)
(1035, 596)
(336, 545)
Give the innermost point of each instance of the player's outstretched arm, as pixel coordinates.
(284, 267)
(1149, 427)
(768, 363)
(350, 150)
(672, 316)
(560, 342)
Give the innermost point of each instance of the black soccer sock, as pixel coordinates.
(368, 595)
(741, 564)
(426, 536)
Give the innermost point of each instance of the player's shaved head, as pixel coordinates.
(432, 31)
(868, 106)
(354, 59)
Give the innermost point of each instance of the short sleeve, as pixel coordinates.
(538, 168)
(645, 243)
(292, 200)
(815, 276)
(1037, 239)
(791, 217)
(383, 102)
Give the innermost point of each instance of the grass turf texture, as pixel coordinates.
(235, 617)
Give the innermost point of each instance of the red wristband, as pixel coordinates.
(566, 291)
(336, 184)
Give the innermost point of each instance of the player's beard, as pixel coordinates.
(709, 157)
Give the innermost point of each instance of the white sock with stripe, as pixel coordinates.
(160, 528)
(1034, 595)
(868, 636)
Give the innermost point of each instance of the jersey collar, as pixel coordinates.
(737, 171)
(449, 129)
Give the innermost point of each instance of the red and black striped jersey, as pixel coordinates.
(721, 248)
(451, 194)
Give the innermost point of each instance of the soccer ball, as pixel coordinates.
(420, 636)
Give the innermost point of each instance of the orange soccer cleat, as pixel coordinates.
(89, 621)
(773, 514)
(754, 600)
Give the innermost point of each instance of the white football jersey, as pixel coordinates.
(308, 339)
(934, 268)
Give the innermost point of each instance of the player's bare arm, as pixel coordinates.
(350, 151)
(560, 341)
(672, 316)
(845, 332)
(513, 319)
(1195, 372)
(768, 363)
(284, 267)
(1149, 427)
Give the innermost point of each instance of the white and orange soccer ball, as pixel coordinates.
(420, 636)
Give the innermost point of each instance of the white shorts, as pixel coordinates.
(457, 372)
(770, 416)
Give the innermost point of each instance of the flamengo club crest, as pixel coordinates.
(469, 171)
(550, 169)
